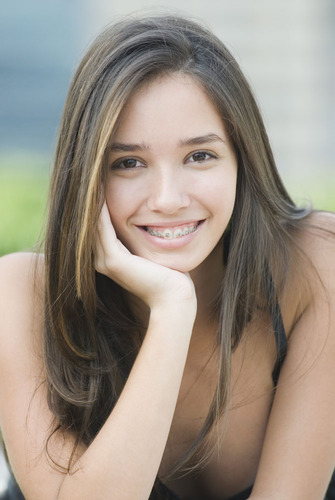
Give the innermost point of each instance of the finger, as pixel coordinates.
(104, 221)
(109, 250)
(100, 244)
(106, 232)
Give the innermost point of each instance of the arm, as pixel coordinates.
(123, 460)
(298, 456)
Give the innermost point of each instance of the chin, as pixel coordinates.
(182, 265)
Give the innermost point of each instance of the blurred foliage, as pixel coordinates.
(317, 190)
(23, 195)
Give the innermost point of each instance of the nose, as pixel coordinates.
(168, 191)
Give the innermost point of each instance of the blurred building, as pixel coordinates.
(287, 50)
(39, 45)
(285, 47)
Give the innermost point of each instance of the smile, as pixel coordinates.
(167, 233)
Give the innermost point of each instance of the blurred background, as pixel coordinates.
(285, 47)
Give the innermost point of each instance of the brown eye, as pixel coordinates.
(127, 164)
(201, 156)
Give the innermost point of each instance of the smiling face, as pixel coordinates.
(172, 174)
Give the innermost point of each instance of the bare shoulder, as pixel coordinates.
(318, 242)
(20, 265)
(311, 277)
(302, 415)
(25, 419)
(321, 225)
(21, 302)
(20, 268)
(312, 282)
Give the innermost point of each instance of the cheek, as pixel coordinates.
(123, 199)
(117, 201)
(220, 194)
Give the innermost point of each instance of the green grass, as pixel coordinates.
(23, 194)
(320, 191)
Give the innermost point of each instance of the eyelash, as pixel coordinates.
(206, 153)
(119, 164)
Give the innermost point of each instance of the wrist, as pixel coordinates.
(174, 312)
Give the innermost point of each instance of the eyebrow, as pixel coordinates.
(202, 139)
(120, 146)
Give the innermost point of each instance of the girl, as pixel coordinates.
(177, 339)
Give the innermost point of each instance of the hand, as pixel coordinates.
(151, 282)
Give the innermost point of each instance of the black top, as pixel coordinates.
(162, 492)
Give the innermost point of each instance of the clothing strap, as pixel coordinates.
(164, 493)
(278, 328)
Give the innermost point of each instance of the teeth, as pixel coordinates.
(168, 234)
(178, 233)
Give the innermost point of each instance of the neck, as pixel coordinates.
(207, 279)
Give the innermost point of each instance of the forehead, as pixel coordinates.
(170, 105)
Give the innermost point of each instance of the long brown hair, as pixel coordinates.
(91, 336)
